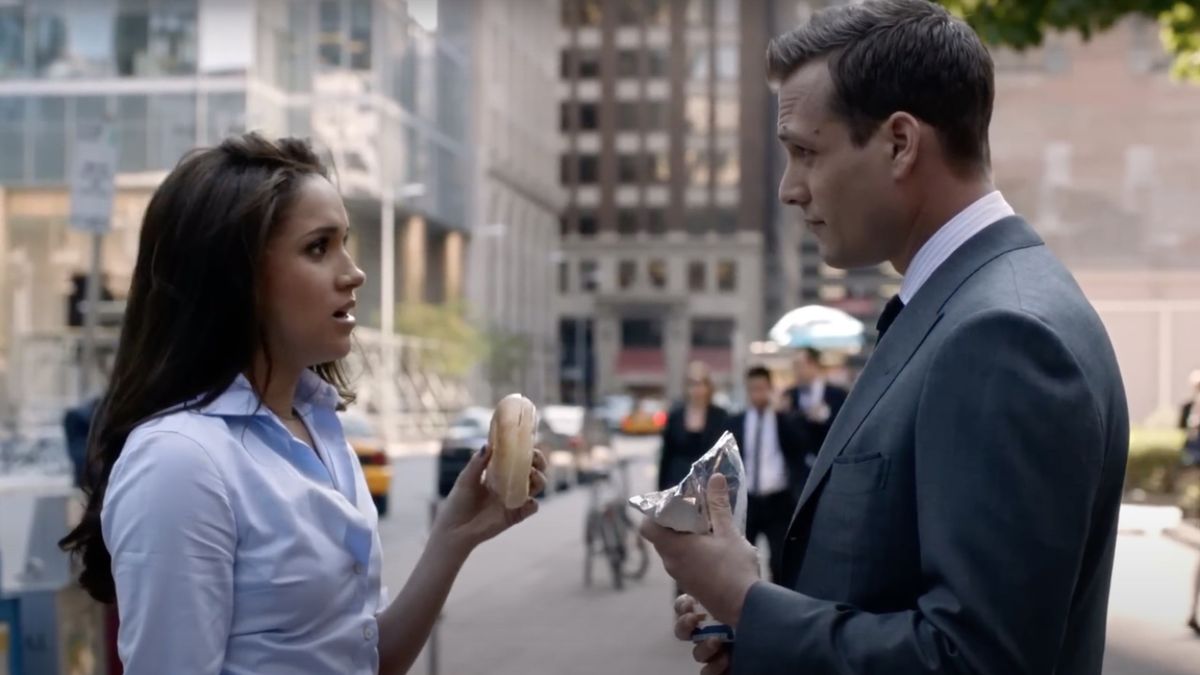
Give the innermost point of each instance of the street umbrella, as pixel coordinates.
(818, 326)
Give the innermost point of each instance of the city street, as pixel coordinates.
(520, 606)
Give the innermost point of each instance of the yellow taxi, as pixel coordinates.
(648, 416)
(372, 454)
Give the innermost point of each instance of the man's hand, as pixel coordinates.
(718, 569)
(712, 652)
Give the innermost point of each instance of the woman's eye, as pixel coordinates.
(318, 247)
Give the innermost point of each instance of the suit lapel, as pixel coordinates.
(907, 334)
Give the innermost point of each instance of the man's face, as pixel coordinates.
(847, 193)
(805, 369)
(758, 392)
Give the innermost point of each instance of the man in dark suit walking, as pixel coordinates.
(962, 514)
(814, 401)
(773, 449)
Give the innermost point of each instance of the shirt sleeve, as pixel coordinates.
(170, 529)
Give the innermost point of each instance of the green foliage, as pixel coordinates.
(1021, 24)
(460, 345)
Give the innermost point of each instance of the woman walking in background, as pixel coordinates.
(692, 427)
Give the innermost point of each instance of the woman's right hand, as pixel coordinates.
(472, 513)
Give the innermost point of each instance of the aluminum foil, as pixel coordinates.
(684, 508)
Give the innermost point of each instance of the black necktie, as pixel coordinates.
(756, 480)
(890, 311)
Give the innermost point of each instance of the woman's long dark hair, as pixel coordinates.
(191, 324)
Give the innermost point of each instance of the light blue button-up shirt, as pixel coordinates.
(237, 549)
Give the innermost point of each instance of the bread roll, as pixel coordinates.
(511, 440)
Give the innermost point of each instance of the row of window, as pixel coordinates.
(589, 13)
(652, 221)
(701, 113)
(657, 276)
(647, 333)
(703, 164)
(703, 60)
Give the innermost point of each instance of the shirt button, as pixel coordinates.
(368, 632)
(358, 569)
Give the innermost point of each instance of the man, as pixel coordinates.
(962, 514)
(814, 401)
(774, 449)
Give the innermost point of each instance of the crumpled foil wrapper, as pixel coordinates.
(684, 508)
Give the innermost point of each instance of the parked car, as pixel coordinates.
(649, 416)
(575, 432)
(368, 444)
(613, 409)
(468, 433)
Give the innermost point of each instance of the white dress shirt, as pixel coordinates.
(774, 476)
(812, 398)
(239, 550)
(969, 222)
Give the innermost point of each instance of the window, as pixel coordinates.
(586, 166)
(656, 114)
(581, 12)
(698, 12)
(12, 42)
(657, 272)
(627, 115)
(660, 167)
(589, 276)
(629, 12)
(657, 12)
(587, 224)
(627, 274)
(12, 138)
(628, 63)
(725, 114)
(697, 222)
(329, 38)
(359, 43)
(582, 63)
(725, 221)
(627, 222)
(726, 276)
(699, 165)
(699, 62)
(727, 62)
(712, 333)
(697, 276)
(642, 333)
(656, 222)
(727, 13)
(564, 276)
(696, 109)
(627, 168)
(49, 138)
(656, 63)
(563, 226)
(589, 116)
(726, 167)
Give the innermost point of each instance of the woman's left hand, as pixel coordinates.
(471, 514)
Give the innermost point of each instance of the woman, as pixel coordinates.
(692, 428)
(227, 516)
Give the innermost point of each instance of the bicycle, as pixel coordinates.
(610, 533)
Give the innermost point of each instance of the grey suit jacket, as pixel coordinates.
(962, 514)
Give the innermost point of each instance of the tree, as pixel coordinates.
(460, 344)
(1021, 24)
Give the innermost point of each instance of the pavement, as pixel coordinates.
(520, 607)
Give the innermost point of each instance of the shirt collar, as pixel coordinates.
(241, 400)
(986, 210)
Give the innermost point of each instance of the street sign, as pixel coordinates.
(92, 177)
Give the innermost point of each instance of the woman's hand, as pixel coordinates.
(471, 514)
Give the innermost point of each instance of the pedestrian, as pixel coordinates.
(227, 516)
(692, 427)
(962, 514)
(774, 446)
(814, 400)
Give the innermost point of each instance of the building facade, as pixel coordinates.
(664, 159)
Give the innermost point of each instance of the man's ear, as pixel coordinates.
(901, 133)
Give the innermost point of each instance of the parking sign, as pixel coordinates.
(92, 174)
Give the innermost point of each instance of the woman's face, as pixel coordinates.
(309, 280)
(697, 389)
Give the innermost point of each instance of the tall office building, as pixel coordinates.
(666, 167)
